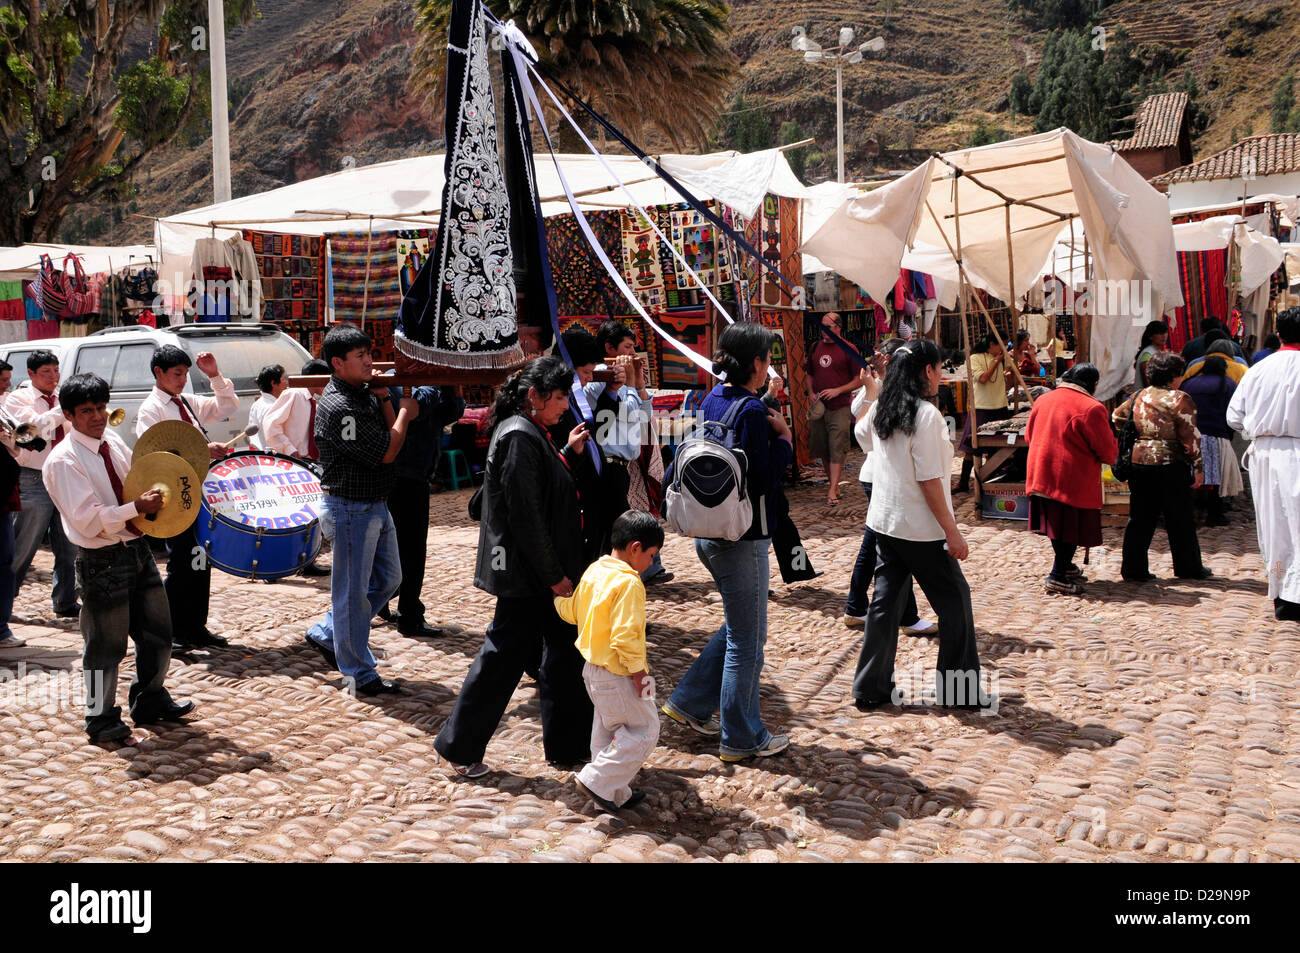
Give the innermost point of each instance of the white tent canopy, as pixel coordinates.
(23, 262)
(407, 193)
(1013, 198)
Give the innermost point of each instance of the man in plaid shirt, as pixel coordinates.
(358, 436)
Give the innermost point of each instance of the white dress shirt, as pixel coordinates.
(899, 466)
(77, 480)
(203, 410)
(285, 424)
(256, 417)
(27, 405)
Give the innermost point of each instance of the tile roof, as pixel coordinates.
(1271, 155)
(1157, 123)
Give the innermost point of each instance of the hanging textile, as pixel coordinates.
(690, 326)
(11, 301)
(412, 252)
(581, 285)
(292, 269)
(461, 312)
(365, 273)
(1203, 276)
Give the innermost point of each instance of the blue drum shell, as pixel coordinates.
(234, 547)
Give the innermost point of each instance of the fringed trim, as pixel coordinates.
(510, 358)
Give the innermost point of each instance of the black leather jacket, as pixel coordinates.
(530, 534)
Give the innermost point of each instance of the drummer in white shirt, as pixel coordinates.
(288, 428)
(121, 592)
(271, 382)
(187, 586)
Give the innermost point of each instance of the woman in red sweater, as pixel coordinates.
(1069, 438)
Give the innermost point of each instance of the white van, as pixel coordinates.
(121, 356)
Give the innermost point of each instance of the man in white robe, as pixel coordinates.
(1266, 409)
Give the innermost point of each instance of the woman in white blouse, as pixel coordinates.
(916, 536)
(864, 568)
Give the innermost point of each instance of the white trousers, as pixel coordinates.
(624, 730)
(1274, 467)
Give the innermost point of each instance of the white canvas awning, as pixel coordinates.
(407, 193)
(23, 262)
(1013, 199)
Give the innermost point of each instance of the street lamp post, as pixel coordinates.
(845, 52)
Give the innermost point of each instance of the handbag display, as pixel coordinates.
(81, 301)
(49, 289)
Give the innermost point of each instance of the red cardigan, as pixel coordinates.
(1069, 439)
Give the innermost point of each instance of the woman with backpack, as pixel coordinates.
(726, 675)
(916, 535)
(530, 549)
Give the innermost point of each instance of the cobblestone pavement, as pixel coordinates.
(1136, 723)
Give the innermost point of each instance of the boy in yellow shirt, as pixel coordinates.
(608, 607)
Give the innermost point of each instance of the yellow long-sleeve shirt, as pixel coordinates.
(608, 607)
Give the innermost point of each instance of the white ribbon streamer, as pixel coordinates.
(632, 203)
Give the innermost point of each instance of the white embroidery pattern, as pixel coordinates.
(477, 272)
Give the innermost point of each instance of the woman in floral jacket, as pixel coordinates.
(1166, 468)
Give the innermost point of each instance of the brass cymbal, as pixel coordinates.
(180, 487)
(178, 437)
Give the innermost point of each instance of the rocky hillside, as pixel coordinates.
(319, 84)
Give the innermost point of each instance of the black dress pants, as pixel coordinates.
(408, 503)
(523, 630)
(187, 587)
(940, 577)
(1156, 491)
(791, 557)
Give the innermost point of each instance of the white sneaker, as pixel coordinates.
(921, 627)
(855, 621)
(11, 641)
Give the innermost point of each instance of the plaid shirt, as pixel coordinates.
(352, 438)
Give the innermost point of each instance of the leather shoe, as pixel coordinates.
(311, 569)
(325, 651)
(1138, 579)
(1285, 611)
(202, 639)
(379, 686)
(118, 732)
(661, 578)
(71, 613)
(388, 615)
(1203, 573)
(168, 712)
(423, 630)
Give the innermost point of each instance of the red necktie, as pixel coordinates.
(116, 483)
(58, 433)
(185, 414)
(311, 432)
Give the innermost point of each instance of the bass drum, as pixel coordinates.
(260, 515)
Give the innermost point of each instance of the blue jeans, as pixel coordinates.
(366, 574)
(655, 568)
(726, 673)
(30, 525)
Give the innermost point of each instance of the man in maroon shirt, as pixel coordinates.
(832, 378)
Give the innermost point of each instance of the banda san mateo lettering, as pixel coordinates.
(76, 906)
(262, 490)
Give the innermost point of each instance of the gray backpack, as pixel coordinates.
(705, 487)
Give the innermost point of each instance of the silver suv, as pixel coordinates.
(121, 356)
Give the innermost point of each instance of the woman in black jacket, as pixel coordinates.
(529, 550)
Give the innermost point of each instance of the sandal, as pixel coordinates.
(475, 770)
(832, 501)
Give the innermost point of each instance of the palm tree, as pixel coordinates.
(661, 63)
